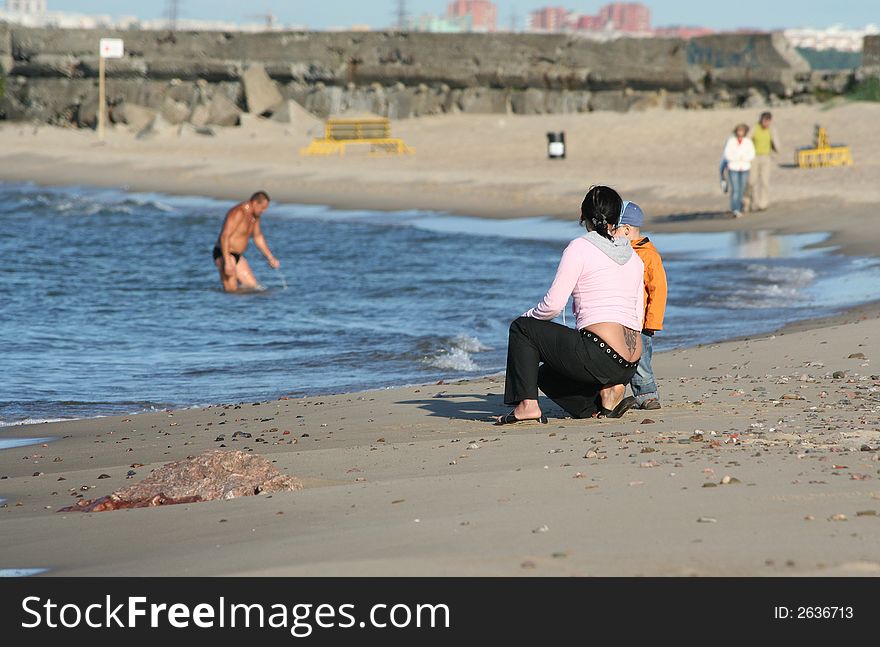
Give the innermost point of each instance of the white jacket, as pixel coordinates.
(738, 155)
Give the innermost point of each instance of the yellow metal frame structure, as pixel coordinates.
(823, 154)
(341, 133)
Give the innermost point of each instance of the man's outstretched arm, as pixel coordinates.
(260, 242)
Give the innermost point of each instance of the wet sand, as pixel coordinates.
(763, 460)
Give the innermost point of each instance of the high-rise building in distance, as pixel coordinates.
(481, 15)
(26, 6)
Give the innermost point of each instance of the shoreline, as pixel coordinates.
(845, 315)
(859, 312)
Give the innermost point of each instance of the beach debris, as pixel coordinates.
(647, 421)
(539, 529)
(857, 356)
(710, 485)
(809, 517)
(635, 483)
(649, 464)
(707, 520)
(211, 475)
(591, 454)
(866, 513)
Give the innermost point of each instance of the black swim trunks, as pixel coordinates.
(218, 253)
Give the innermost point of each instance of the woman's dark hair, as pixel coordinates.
(601, 209)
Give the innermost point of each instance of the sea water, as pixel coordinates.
(110, 302)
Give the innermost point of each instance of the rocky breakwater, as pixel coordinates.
(188, 80)
(871, 55)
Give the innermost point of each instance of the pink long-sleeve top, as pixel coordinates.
(604, 290)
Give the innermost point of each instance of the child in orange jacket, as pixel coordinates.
(644, 384)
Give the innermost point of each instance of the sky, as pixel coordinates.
(761, 14)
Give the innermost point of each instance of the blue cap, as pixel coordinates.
(632, 214)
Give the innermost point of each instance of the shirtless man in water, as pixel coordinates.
(242, 223)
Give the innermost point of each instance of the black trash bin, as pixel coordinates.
(556, 145)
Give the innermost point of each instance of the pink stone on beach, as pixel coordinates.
(211, 475)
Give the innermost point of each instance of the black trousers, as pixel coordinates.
(569, 366)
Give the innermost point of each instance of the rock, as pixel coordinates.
(484, 101)
(857, 356)
(754, 99)
(838, 375)
(157, 127)
(707, 520)
(291, 112)
(87, 113)
(837, 517)
(200, 115)
(528, 102)
(188, 130)
(174, 112)
(214, 474)
(136, 117)
(261, 93)
(611, 100)
(223, 112)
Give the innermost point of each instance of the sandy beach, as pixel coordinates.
(763, 461)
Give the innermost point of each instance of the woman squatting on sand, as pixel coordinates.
(583, 370)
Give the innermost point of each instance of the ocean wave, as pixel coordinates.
(31, 421)
(457, 356)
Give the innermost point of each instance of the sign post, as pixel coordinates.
(109, 48)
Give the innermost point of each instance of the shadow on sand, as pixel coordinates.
(472, 406)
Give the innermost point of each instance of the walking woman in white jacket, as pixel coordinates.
(739, 151)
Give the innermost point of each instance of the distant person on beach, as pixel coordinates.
(766, 142)
(736, 160)
(242, 223)
(583, 370)
(643, 383)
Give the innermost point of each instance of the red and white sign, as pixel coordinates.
(112, 48)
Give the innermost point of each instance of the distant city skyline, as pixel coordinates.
(758, 14)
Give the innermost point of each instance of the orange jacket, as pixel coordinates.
(655, 284)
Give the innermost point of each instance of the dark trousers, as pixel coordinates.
(567, 366)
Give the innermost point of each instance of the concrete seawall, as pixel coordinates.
(51, 73)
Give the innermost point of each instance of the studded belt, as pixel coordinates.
(612, 354)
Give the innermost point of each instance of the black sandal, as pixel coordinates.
(511, 419)
(625, 405)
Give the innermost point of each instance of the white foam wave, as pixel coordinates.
(31, 421)
(458, 356)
